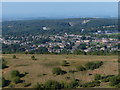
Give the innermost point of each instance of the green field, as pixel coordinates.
(40, 70)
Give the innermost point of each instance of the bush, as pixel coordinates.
(93, 65)
(96, 83)
(58, 71)
(100, 63)
(33, 58)
(38, 86)
(90, 65)
(118, 85)
(73, 84)
(92, 84)
(12, 85)
(16, 80)
(52, 85)
(24, 84)
(4, 63)
(80, 68)
(4, 82)
(97, 77)
(106, 78)
(14, 56)
(72, 71)
(115, 80)
(15, 73)
(64, 63)
(88, 85)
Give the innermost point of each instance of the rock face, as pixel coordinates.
(71, 23)
(45, 28)
(85, 21)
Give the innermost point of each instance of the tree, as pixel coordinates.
(82, 46)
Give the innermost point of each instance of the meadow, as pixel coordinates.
(40, 70)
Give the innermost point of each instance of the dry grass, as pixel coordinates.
(45, 63)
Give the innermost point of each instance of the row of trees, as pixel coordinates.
(65, 51)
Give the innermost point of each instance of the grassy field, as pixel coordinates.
(40, 70)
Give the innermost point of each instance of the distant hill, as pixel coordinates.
(70, 25)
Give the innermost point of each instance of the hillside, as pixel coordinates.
(55, 26)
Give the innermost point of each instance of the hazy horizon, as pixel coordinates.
(59, 9)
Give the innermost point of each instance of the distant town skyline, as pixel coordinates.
(59, 9)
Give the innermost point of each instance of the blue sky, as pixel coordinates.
(59, 9)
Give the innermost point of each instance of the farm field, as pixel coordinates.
(40, 70)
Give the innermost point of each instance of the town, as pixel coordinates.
(66, 43)
(64, 36)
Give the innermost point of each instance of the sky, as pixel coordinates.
(59, 9)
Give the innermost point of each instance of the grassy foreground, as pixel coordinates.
(40, 70)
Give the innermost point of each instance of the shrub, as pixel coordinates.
(16, 80)
(33, 58)
(92, 84)
(88, 85)
(38, 86)
(15, 73)
(80, 68)
(72, 71)
(4, 63)
(118, 85)
(58, 71)
(24, 84)
(97, 77)
(96, 83)
(4, 82)
(93, 65)
(26, 53)
(73, 84)
(106, 78)
(53, 85)
(14, 56)
(115, 80)
(90, 65)
(64, 63)
(12, 85)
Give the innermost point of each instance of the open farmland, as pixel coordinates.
(40, 70)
